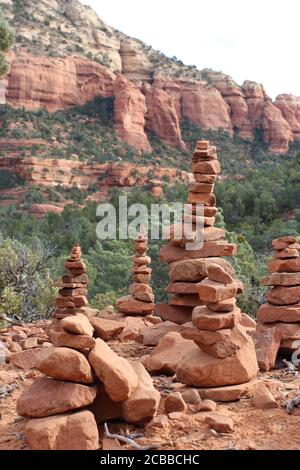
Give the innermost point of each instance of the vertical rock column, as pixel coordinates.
(226, 354)
(189, 267)
(140, 299)
(282, 311)
(72, 295)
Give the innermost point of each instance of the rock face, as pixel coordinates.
(278, 320)
(56, 83)
(130, 110)
(162, 116)
(56, 74)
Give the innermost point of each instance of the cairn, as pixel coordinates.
(189, 267)
(140, 300)
(226, 354)
(85, 382)
(281, 313)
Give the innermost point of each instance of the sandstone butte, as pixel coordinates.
(158, 104)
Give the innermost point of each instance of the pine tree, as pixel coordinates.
(6, 41)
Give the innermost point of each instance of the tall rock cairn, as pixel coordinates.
(72, 294)
(282, 311)
(189, 267)
(140, 300)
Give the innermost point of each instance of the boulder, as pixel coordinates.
(66, 364)
(27, 360)
(218, 274)
(175, 402)
(174, 313)
(74, 431)
(117, 374)
(195, 270)
(200, 369)
(47, 397)
(267, 344)
(66, 340)
(211, 291)
(284, 295)
(143, 403)
(153, 334)
(170, 350)
(103, 407)
(262, 398)
(131, 306)
(282, 279)
(107, 329)
(208, 406)
(78, 325)
(284, 266)
(224, 306)
(228, 393)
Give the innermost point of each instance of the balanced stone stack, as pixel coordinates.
(226, 354)
(283, 308)
(73, 293)
(140, 300)
(86, 384)
(188, 267)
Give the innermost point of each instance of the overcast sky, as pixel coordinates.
(249, 40)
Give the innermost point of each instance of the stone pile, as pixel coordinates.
(279, 318)
(86, 383)
(225, 355)
(72, 296)
(189, 267)
(140, 300)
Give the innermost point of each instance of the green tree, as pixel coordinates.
(6, 41)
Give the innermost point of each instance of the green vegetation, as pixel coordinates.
(6, 41)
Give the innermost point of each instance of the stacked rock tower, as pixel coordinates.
(226, 354)
(187, 267)
(283, 308)
(73, 293)
(140, 300)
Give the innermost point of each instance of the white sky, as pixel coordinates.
(255, 39)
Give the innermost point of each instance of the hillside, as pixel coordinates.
(66, 56)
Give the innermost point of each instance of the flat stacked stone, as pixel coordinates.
(282, 310)
(140, 300)
(226, 354)
(72, 296)
(189, 267)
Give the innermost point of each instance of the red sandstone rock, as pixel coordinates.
(166, 356)
(199, 369)
(74, 431)
(284, 266)
(131, 306)
(262, 398)
(220, 423)
(116, 373)
(27, 359)
(56, 83)
(195, 270)
(271, 314)
(187, 300)
(107, 329)
(205, 319)
(227, 305)
(289, 106)
(162, 117)
(171, 253)
(153, 334)
(175, 402)
(66, 364)
(211, 291)
(277, 131)
(103, 407)
(173, 313)
(78, 324)
(143, 403)
(218, 274)
(267, 343)
(282, 279)
(47, 397)
(228, 393)
(80, 342)
(130, 110)
(183, 288)
(284, 295)
(142, 292)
